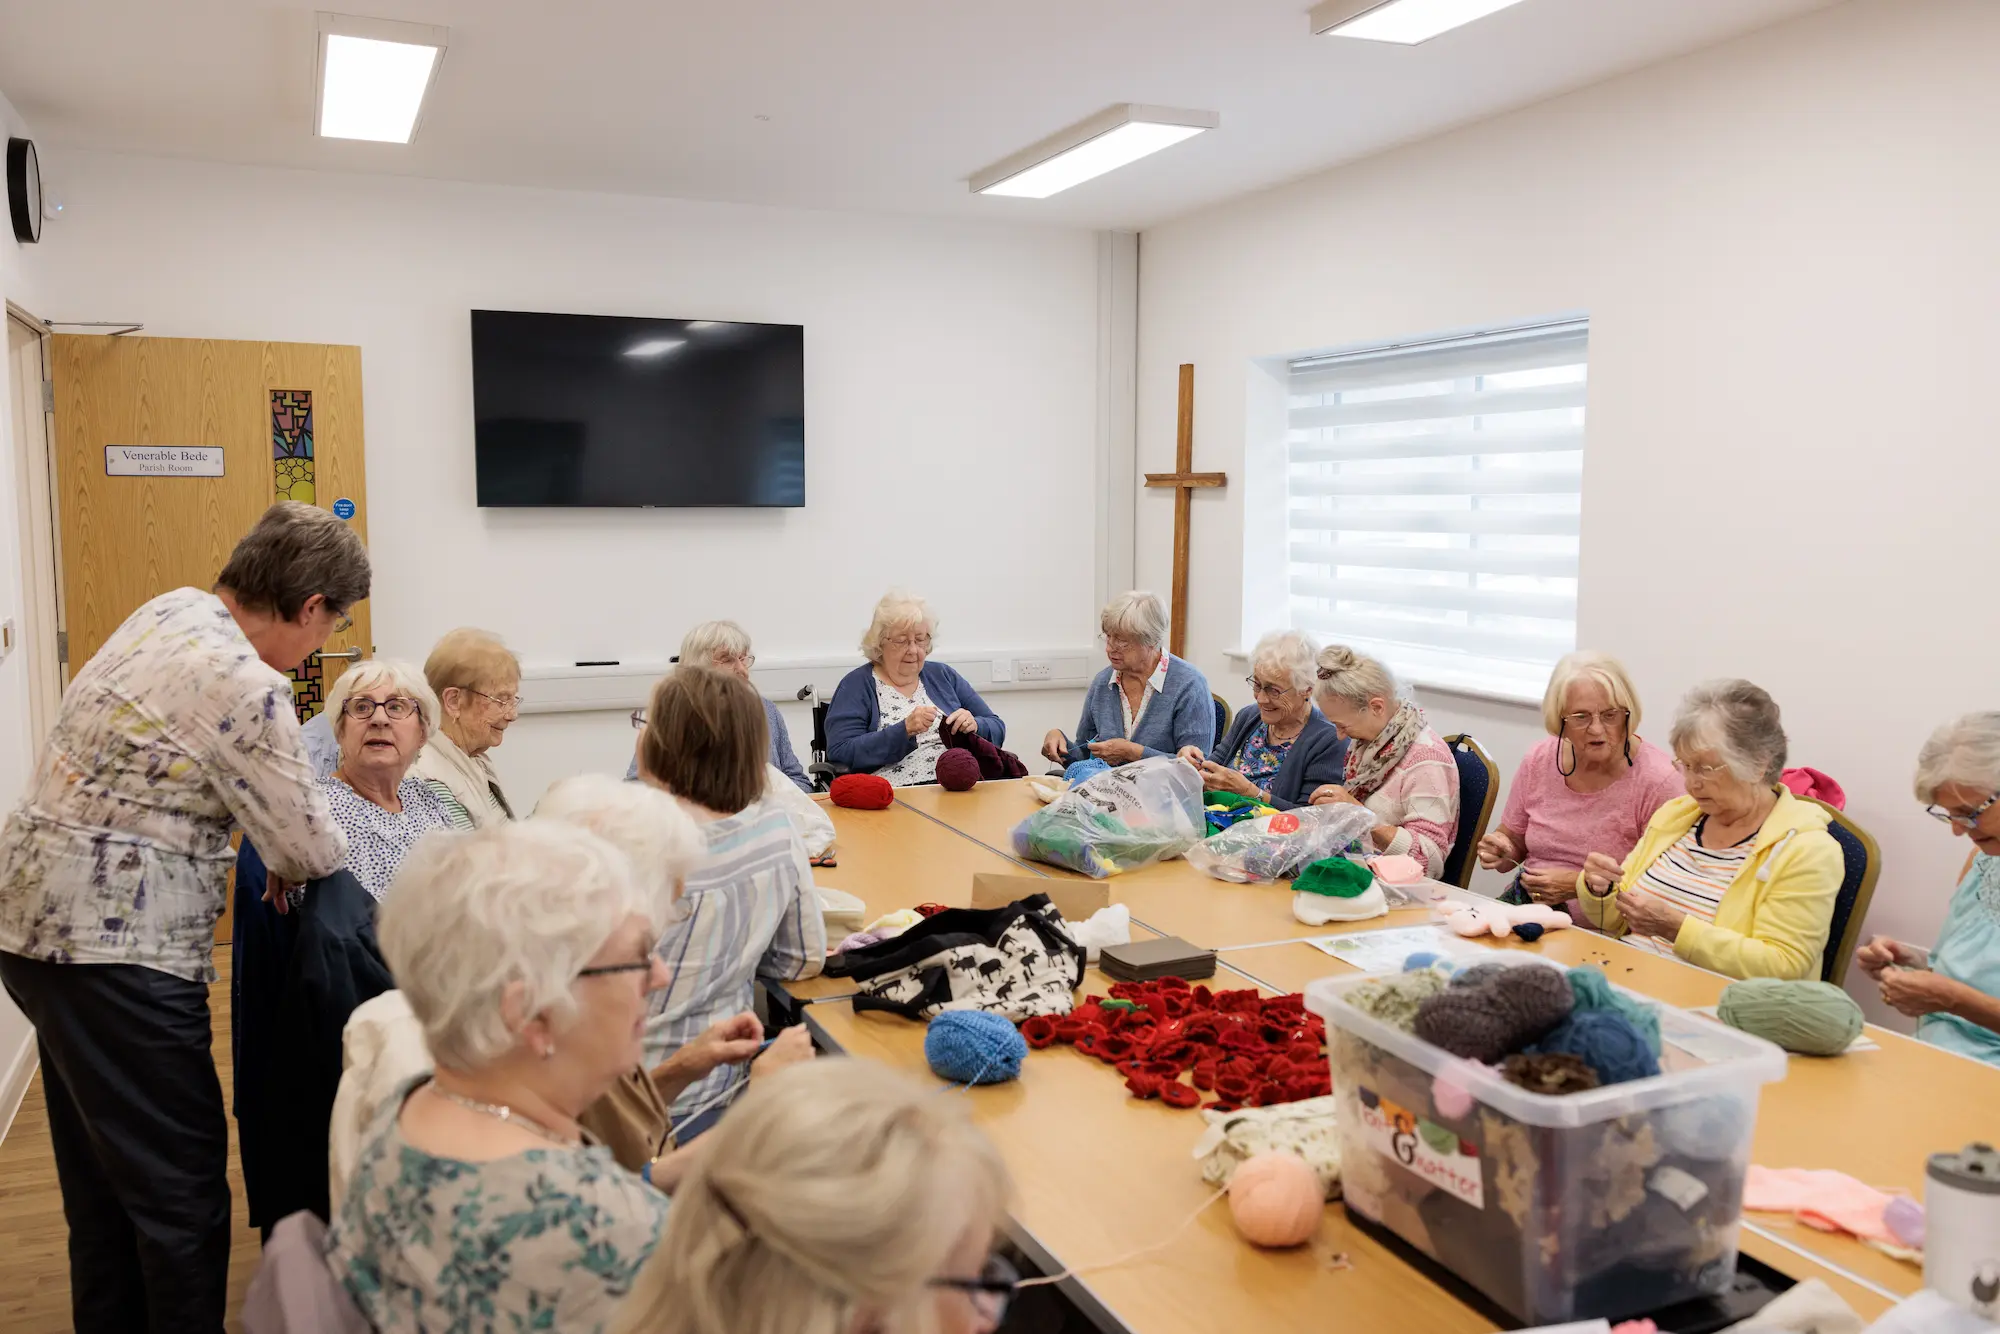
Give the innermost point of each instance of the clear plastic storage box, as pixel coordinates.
(1608, 1203)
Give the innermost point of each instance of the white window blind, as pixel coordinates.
(1435, 491)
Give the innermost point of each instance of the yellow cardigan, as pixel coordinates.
(1774, 917)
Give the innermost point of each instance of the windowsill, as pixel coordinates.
(1491, 695)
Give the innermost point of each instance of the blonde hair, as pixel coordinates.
(1589, 664)
(1353, 677)
(826, 1200)
(470, 660)
(364, 676)
(899, 609)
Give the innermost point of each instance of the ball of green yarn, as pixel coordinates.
(1811, 1018)
(1335, 877)
(1593, 991)
(1394, 1000)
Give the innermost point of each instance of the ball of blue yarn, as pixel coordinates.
(1593, 991)
(1606, 1042)
(974, 1047)
(1421, 959)
(1084, 769)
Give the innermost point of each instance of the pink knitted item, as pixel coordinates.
(1827, 1200)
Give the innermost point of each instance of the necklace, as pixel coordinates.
(500, 1111)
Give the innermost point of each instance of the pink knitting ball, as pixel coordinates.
(1276, 1200)
(957, 770)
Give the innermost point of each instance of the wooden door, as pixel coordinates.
(285, 413)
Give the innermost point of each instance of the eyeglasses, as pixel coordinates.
(1119, 643)
(342, 623)
(1262, 691)
(362, 709)
(507, 703)
(992, 1291)
(644, 965)
(638, 720)
(1607, 719)
(1702, 771)
(900, 642)
(746, 660)
(1963, 820)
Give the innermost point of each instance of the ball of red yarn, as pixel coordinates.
(957, 770)
(863, 792)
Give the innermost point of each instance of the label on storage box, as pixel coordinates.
(1424, 1147)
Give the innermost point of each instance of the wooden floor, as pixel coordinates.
(34, 1259)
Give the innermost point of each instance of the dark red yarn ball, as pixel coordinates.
(958, 771)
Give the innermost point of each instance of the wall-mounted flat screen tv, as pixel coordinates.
(609, 410)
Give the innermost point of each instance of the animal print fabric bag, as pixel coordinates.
(1018, 961)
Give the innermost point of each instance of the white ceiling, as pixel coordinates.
(884, 105)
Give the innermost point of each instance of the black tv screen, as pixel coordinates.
(609, 410)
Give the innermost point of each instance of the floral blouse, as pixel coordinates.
(378, 839)
(546, 1239)
(170, 737)
(1261, 758)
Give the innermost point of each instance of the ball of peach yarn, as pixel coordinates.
(1276, 1200)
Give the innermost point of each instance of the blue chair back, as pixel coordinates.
(1862, 863)
(1478, 785)
(1223, 717)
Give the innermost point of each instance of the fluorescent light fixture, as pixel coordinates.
(373, 77)
(1105, 142)
(655, 347)
(1406, 22)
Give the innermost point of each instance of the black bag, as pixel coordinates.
(1018, 961)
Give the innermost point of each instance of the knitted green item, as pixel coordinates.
(1230, 799)
(1335, 877)
(1811, 1018)
(1394, 1000)
(1593, 991)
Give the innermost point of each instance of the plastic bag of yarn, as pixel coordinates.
(1811, 1018)
(1122, 819)
(1267, 849)
(974, 1047)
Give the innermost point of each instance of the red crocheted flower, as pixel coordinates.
(1242, 1039)
(1164, 1069)
(1203, 997)
(1116, 1046)
(1235, 1088)
(1222, 1105)
(1066, 1030)
(1039, 1031)
(1130, 1068)
(1179, 1095)
(1204, 1075)
(1239, 1002)
(931, 909)
(1270, 1094)
(1143, 1085)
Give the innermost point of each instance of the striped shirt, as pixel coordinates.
(1692, 878)
(1420, 798)
(750, 911)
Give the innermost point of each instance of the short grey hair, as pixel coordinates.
(1290, 652)
(899, 609)
(700, 645)
(371, 673)
(1739, 721)
(661, 840)
(1136, 615)
(1965, 751)
(296, 551)
(1353, 677)
(519, 902)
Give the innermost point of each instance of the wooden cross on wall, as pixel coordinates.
(1184, 480)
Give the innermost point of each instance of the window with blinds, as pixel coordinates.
(1435, 490)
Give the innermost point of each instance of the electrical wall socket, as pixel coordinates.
(1033, 669)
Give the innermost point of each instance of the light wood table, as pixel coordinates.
(1875, 1115)
(896, 858)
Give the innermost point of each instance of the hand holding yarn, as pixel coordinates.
(1328, 794)
(960, 721)
(1117, 750)
(1498, 852)
(920, 719)
(1916, 992)
(1601, 873)
(789, 1048)
(1055, 747)
(1649, 915)
(1887, 952)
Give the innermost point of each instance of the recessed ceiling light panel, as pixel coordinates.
(1107, 141)
(1405, 22)
(373, 76)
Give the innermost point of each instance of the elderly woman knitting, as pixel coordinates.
(1396, 765)
(1739, 876)
(1280, 749)
(1147, 702)
(1591, 786)
(1953, 991)
(889, 716)
(526, 953)
(725, 646)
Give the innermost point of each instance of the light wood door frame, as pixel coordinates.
(41, 542)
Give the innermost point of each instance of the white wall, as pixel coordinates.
(951, 383)
(16, 1036)
(1786, 245)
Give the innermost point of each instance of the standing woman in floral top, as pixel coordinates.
(113, 871)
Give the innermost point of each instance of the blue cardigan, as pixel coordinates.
(1183, 715)
(1318, 755)
(856, 738)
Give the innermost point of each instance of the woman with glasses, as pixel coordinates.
(1146, 702)
(1280, 748)
(526, 953)
(725, 646)
(1590, 787)
(477, 682)
(890, 715)
(1953, 991)
(838, 1196)
(1739, 876)
(383, 714)
(1396, 766)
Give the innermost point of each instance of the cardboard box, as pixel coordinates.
(1076, 900)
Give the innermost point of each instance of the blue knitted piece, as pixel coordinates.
(1605, 1041)
(1594, 992)
(1084, 769)
(1421, 959)
(974, 1047)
